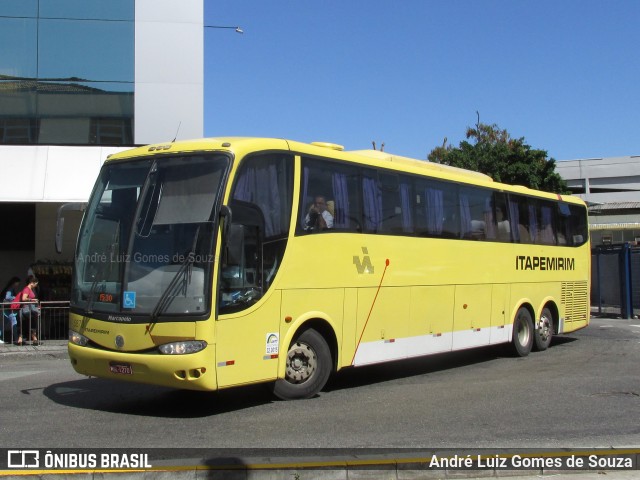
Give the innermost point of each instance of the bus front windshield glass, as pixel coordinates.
(145, 247)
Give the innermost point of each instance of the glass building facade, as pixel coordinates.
(67, 72)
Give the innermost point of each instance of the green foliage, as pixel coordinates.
(491, 150)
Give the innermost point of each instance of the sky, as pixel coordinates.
(563, 74)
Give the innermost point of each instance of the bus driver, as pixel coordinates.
(318, 218)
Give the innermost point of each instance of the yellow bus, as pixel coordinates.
(222, 262)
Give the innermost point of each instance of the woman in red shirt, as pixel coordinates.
(30, 309)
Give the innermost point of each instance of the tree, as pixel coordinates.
(492, 151)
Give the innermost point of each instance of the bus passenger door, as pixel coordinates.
(247, 337)
(247, 344)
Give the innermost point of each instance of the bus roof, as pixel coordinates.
(244, 145)
(425, 164)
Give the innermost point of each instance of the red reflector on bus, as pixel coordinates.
(270, 357)
(227, 363)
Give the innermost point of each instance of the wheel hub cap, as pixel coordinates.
(301, 363)
(544, 328)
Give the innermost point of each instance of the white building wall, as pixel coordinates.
(169, 70)
(50, 173)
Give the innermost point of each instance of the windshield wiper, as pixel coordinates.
(179, 282)
(92, 295)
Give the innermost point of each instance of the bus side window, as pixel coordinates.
(240, 283)
(233, 260)
(340, 184)
(477, 214)
(502, 218)
(579, 225)
(547, 231)
(261, 206)
(452, 223)
(519, 219)
(564, 224)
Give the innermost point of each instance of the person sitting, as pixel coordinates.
(318, 218)
(504, 228)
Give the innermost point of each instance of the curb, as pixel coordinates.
(50, 347)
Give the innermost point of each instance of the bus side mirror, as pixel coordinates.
(225, 219)
(60, 221)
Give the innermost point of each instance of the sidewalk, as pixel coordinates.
(48, 347)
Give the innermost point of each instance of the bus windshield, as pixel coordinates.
(146, 242)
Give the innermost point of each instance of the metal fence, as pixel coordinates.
(35, 322)
(615, 280)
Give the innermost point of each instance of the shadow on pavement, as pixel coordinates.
(153, 401)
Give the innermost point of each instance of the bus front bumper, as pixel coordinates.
(194, 371)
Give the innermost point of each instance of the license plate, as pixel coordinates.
(121, 368)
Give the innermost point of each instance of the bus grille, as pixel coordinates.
(575, 299)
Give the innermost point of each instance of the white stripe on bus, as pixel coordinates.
(383, 350)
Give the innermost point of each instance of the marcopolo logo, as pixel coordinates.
(23, 459)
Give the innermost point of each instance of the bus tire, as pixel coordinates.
(308, 365)
(522, 333)
(543, 331)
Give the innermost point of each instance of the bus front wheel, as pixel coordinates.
(308, 366)
(544, 330)
(522, 333)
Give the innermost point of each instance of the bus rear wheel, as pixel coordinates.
(308, 366)
(522, 333)
(544, 330)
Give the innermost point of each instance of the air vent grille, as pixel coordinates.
(575, 299)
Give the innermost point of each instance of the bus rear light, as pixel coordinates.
(182, 348)
(77, 339)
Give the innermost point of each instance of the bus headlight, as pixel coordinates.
(182, 348)
(77, 339)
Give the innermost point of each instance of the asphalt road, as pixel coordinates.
(583, 392)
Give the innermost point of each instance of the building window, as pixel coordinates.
(69, 77)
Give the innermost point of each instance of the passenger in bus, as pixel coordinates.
(523, 232)
(477, 230)
(319, 218)
(504, 229)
